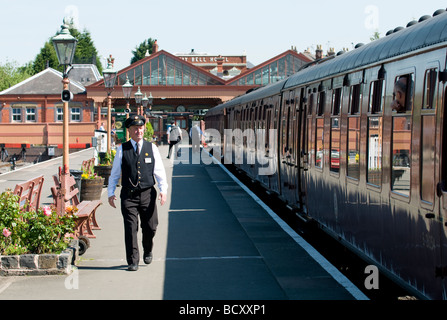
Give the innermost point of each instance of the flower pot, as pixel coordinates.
(104, 172)
(91, 189)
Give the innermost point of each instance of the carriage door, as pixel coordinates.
(302, 147)
(287, 149)
(441, 267)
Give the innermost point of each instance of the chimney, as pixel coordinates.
(219, 60)
(155, 47)
(318, 52)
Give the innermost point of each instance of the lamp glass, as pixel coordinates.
(109, 77)
(127, 89)
(138, 96)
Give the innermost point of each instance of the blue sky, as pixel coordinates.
(261, 29)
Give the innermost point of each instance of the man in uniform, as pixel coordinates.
(140, 164)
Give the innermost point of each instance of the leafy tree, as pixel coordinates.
(47, 54)
(375, 36)
(11, 74)
(85, 51)
(140, 51)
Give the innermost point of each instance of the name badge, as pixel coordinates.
(148, 160)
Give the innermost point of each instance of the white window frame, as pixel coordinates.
(75, 112)
(15, 115)
(32, 114)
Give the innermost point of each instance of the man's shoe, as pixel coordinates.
(133, 267)
(147, 258)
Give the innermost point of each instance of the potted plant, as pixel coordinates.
(105, 166)
(40, 231)
(91, 185)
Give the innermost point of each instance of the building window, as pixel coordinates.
(31, 114)
(59, 114)
(16, 114)
(76, 114)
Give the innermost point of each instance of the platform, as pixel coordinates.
(215, 241)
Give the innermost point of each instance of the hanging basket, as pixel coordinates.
(91, 189)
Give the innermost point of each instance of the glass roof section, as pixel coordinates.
(272, 72)
(163, 70)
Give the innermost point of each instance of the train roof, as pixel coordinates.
(257, 94)
(428, 32)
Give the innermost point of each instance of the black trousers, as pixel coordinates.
(140, 204)
(171, 144)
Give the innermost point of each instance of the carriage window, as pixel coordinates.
(336, 101)
(430, 89)
(353, 156)
(319, 143)
(376, 96)
(403, 93)
(356, 99)
(401, 156)
(311, 104)
(374, 135)
(375, 150)
(320, 103)
(335, 131)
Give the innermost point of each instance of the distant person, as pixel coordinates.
(399, 95)
(102, 127)
(174, 137)
(196, 137)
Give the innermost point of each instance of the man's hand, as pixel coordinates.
(162, 197)
(112, 201)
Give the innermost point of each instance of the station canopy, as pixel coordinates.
(164, 69)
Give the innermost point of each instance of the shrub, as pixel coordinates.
(35, 232)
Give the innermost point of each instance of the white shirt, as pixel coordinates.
(159, 169)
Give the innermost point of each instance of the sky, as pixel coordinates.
(261, 29)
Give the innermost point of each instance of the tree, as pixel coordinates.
(140, 51)
(47, 55)
(11, 74)
(85, 52)
(375, 36)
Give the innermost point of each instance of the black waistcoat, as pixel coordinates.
(137, 171)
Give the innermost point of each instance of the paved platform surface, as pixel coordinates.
(214, 242)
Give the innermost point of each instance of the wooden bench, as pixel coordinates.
(86, 214)
(29, 193)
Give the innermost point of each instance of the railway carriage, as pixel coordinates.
(373, 177)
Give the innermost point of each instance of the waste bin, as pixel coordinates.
(102, 156)
(77, 175)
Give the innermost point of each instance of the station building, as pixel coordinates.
(183, 87)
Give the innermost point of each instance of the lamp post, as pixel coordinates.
(127, 90)
(109, 83)
(150, 101)
(138, 100)
(65, 46)
(144, 102)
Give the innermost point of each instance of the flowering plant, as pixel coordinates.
(89, 174)
(36, 232)
(108, 158)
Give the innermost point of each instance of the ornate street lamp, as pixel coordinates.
(127, 90)
(109, 82)
(138, 100)
(65, 46)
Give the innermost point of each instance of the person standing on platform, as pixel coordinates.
(140, 164)
(174, 137)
